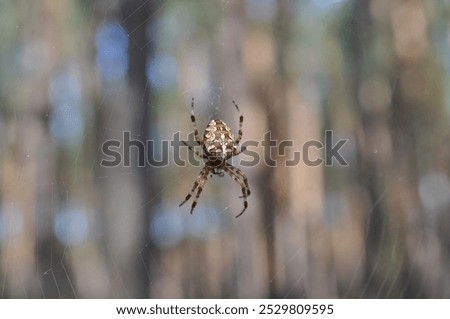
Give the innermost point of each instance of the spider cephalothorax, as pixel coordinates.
(218, 146)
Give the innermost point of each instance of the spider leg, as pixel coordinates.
(195, 152)
(241, 120)
(189, 194)
(194, 124)
(236, 174)
(239, 173)
(238, 150)
(199, 191)
(199, 182)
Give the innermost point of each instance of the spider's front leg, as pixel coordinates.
(239, 176)
(237, 173)
(199, 183)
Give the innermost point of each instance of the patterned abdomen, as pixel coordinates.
(218, 140)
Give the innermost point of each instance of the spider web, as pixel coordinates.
(210, 253)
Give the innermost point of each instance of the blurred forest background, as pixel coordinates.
(74, 74)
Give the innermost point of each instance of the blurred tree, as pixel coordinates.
(394, 77)
(130, 195)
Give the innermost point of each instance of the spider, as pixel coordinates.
(218, 146)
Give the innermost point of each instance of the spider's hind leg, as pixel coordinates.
(194, 124)
(241, 120)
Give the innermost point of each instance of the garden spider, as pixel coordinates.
(218, 146)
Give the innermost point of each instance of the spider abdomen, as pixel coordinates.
(218, 140)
